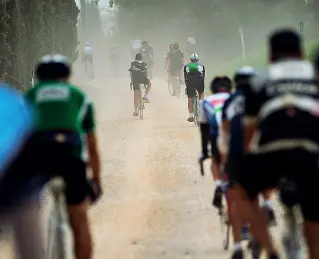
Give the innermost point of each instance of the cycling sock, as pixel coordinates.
(237, 246)
(268, 204)
(191, 115)
(218, 183)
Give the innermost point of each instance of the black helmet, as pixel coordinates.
(221, 84)
(243, 74)
(53, 67)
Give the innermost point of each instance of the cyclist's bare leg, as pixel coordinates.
(201, 96)
(235, 221)
(190, 105)
(79, 222)
(148, 89)
(250, 211)
(311, 230)
(137, 98)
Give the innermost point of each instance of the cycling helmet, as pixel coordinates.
(221, 84)
(87, 44)
(194, 57)
(53, 67)
(243, 74)
(144, 42)
(176, 46)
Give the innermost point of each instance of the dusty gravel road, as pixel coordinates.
(155, 204)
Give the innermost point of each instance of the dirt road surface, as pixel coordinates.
(155, 204)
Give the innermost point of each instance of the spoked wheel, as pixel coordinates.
(196, 110)
(177, 87)
(141, 110)
(170, 88)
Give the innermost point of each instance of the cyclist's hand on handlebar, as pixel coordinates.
(95, 190)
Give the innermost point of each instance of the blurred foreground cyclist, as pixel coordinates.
(282, 104)
(18, 186)
(64, 117)
(210, 113)
(232, 132)
(138, 73)
(194, 76)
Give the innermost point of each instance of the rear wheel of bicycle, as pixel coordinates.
(170, 88)
(141, 110)
(178, 87)
(255, 249)
(195, 110)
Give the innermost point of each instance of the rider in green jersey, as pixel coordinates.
(64, 116)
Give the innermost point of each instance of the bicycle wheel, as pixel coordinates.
(141, 110)
(195, 109)
(170, 88)
(178, 87)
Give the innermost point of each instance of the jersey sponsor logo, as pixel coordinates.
(292, 87)
(53, 93)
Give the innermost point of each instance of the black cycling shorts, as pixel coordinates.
(43, 154)
(259, 172)
(137, 83)
(190, 89)
(214, 149)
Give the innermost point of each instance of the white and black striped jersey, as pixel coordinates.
(284, 100)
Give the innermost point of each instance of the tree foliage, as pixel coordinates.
(31, 29)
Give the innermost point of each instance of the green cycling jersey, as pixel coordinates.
(61, 106)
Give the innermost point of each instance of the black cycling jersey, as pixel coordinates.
(139, 71)
(285, 100)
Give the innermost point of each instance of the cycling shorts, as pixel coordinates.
(137, 83)
(259, 172)
(190, 89)
(45, 154)
(88, 58)
(216, 155)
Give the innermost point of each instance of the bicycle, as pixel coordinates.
(225, 226)
(175, 86)
(196, 108)
(292, 231)
(141, 106)
(58, 244)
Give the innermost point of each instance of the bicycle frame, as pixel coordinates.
(141, 106)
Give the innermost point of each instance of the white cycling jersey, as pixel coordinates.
(210, 111)
(88, 51)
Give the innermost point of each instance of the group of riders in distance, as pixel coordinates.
(192, 73)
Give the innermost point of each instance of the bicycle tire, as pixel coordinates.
(170, 88)
(224, 228)
(141, 115)
(195, 109)
(256, 249)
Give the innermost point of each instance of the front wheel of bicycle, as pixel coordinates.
(141, 110)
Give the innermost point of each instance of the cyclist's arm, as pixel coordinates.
(225, 123)
(89, 129)
(145, 70)
(204, 72)
(204, 129)
(252, 106)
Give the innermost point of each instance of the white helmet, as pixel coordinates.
(194, 57)
(87, 43)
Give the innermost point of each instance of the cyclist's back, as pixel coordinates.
(60, 106)
(139, 72)
(175, 57)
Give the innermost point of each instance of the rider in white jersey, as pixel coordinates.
(210, 118)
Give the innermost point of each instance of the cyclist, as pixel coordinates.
(147, 56)
(210, 112)
(194, 76)
(87, 57)
(138, 72)
(174, 63)
(64, 117)
(232, 129)
(282, 103)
